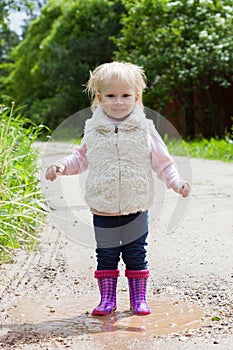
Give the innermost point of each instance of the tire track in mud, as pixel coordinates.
(16, 276)
(32, 274)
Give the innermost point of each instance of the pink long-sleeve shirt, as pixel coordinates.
(161, 162)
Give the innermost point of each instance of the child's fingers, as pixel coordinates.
(51, 173)
(184, 191)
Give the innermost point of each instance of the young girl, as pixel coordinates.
(120, 148)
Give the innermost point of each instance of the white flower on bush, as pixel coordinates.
(219, 20)
(203, 34)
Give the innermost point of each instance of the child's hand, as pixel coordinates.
(184, 191)
(52, 171)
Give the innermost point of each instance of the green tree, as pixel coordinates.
(53, 62)
(7, 5)
(186, 48)
(9, 39)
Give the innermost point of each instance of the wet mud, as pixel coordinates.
(74, 316)
(32, 320)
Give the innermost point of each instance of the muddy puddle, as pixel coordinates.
(73, 316)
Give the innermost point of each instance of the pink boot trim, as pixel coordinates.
(137, 273)
(107, 273)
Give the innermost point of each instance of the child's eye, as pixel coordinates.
(126, 95)
(110, 95)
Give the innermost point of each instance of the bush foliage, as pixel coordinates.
(186, 48)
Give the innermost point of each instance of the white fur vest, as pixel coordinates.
(120, 180)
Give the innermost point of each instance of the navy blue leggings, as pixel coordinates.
(121, 235)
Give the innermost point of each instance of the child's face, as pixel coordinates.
(118, 99)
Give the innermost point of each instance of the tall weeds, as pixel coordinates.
(20, 215)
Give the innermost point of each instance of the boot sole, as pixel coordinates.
(142, 313)
(102, 313)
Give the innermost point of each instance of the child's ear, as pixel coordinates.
(137, 97)
(98, 96)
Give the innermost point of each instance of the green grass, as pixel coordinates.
(20, 215)
(214, 149)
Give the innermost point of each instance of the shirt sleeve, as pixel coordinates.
(163, 164)
(76, 163)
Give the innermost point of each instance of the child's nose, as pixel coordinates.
(118, 100)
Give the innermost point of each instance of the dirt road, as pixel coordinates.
(47, 296)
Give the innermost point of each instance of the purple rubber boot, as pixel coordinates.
(137, 290)
(107, 281)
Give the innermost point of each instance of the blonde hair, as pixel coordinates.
(120, 71)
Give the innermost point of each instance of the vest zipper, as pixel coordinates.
(119, 164)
